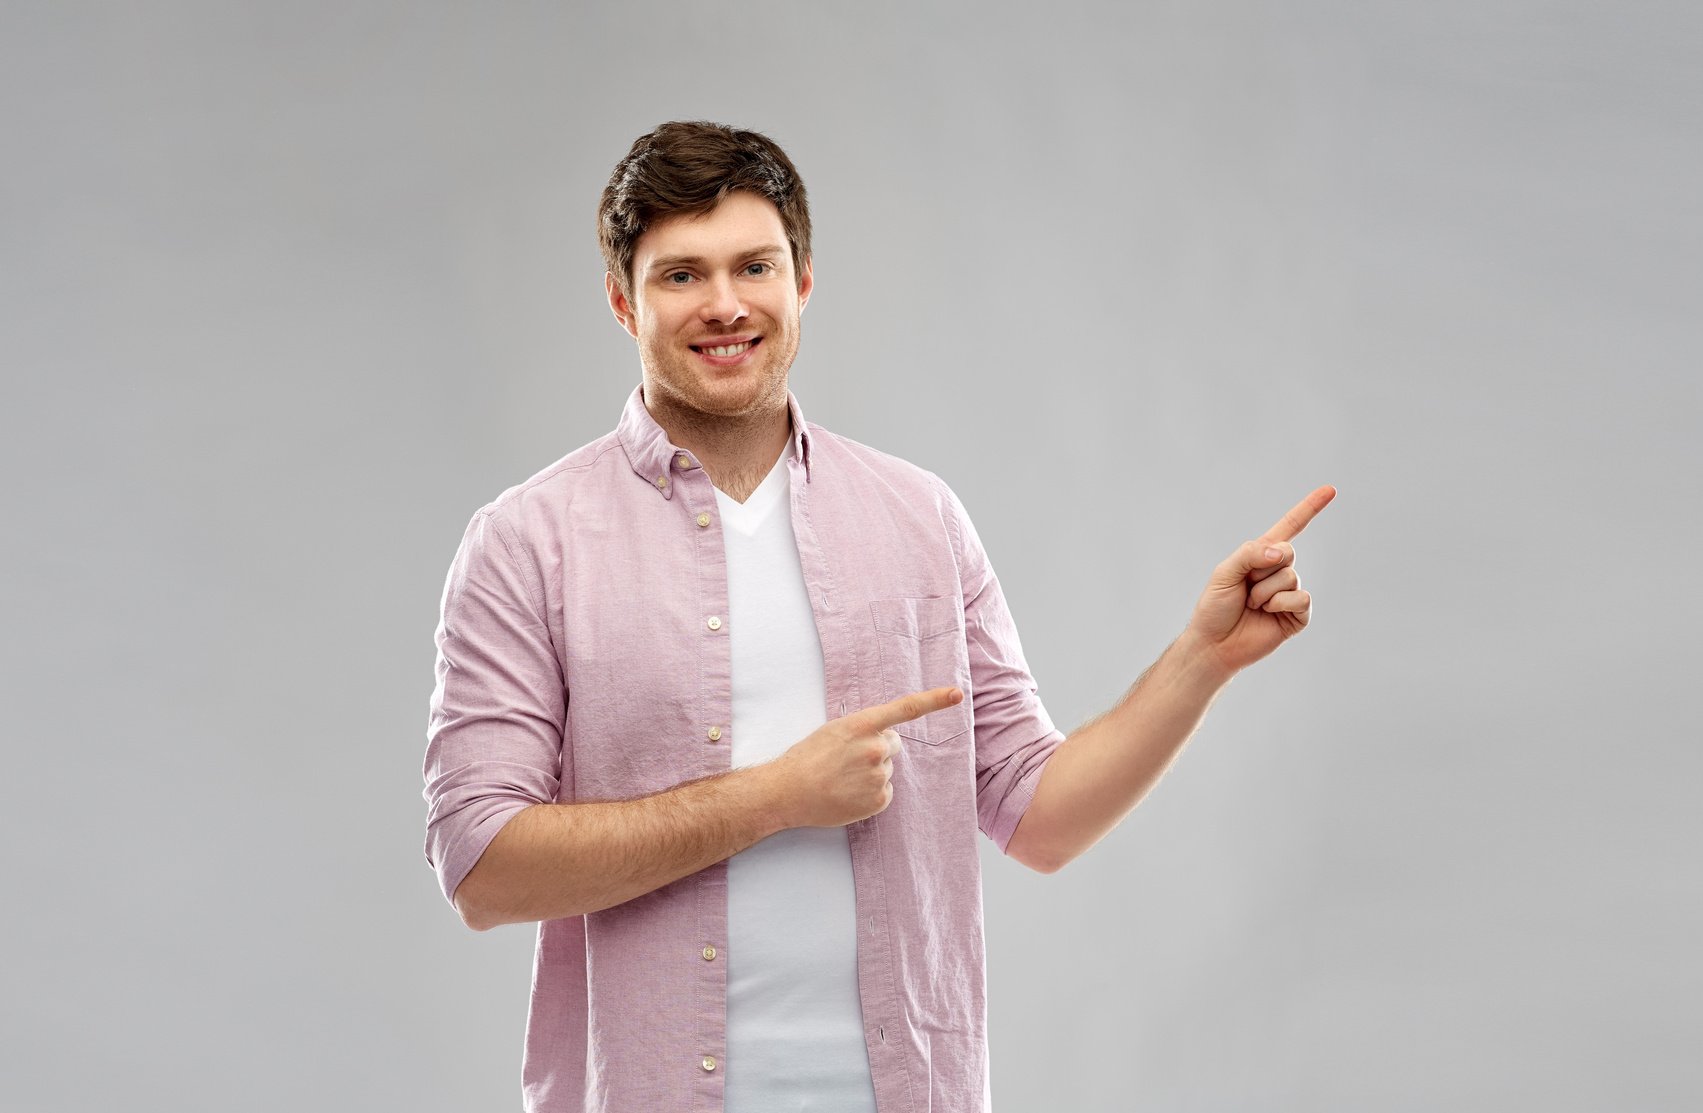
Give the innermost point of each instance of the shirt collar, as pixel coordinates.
(654, 458)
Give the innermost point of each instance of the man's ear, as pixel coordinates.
(619, 305)
(806, 283)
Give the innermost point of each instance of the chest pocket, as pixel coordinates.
(922, 646)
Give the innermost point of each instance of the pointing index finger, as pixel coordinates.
(1296, 520)
(905, 708)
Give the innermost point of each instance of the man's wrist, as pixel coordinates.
(1200, 662)
(767, 798)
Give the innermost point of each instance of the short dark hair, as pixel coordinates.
(687, 167)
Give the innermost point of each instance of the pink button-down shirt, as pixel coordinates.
(583, 654)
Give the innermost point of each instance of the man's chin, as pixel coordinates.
(727, 395)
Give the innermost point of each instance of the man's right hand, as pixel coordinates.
(842, 772)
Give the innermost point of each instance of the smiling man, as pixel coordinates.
(714, 301)
(748, 896)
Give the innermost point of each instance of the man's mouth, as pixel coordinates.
(724, 350)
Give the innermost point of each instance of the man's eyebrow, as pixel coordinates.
(664, 261)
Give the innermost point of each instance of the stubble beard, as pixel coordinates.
(692, 394)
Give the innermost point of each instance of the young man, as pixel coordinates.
(723, 698)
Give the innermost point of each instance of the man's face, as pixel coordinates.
(715, 307)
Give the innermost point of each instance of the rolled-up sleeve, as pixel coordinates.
(494, 733)
(1014, 734)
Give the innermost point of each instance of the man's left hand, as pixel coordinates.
(1254, 602)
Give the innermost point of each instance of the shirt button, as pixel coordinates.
(662, 481)
(709, 954)
(703, 520)
(683, 461)
(709, 1062)
(714, 623)
(715, 734)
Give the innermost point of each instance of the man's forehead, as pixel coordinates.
(741, 223)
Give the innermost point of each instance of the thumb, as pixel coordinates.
(1248, 557)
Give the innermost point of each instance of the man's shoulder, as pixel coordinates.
(859, 460)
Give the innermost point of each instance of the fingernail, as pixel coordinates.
(1272, 554)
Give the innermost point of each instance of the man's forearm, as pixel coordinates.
(1104, 768)
(555, 860)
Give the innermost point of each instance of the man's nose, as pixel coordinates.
(721, 301)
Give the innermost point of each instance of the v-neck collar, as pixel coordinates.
(757, 506)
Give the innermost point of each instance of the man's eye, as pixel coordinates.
(758, 268)
(678, 278)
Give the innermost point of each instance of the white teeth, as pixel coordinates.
(728, 349)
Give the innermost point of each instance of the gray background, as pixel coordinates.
(290, 290)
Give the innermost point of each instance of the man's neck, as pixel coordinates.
(737, 453)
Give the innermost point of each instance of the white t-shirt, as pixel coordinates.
(795, 1037)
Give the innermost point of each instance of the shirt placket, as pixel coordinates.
(707, 947)
(847, 658)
